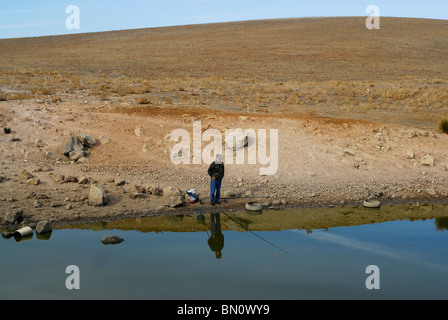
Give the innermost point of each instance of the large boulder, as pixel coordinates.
(43, 227)
(72, 144)
(75, 146)
(172, 197)
(88, 140)
(97, 196)
(14, 215)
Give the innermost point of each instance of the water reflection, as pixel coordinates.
(308, 220)
(441, 223)
(216, 239)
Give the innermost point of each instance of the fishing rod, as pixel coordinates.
(248, 197)
(255, 234)
(245, 197)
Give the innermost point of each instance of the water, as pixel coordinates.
(170, 258)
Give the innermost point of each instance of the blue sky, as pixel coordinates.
(29, 18)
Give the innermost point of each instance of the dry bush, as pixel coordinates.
(443, 125)
(143, 100)
(56, 100)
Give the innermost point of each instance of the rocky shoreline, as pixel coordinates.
(144, 201)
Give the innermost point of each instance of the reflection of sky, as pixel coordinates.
(376, 249)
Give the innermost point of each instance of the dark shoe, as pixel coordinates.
(218, 202)
(212, 203)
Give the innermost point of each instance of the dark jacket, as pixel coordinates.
(216, 170)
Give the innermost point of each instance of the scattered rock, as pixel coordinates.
(33, 181)
(41, 196)
(25, 175)
(153, 189)
(72, 144)
(172, 197)
(83, 180)
(14, 139)
(97, 196)
(120, 182)
(138, 131)
(77, 154)
(7, 234)
(88, 141)
(105, 140)
(431, 191)
(71, 179)
(59, 178)
(14, 215)
(136, 195)
(39, 143)
(55, 204)
(43, 227)
(427, 161)
(410, 154)
(111, 239)
(51, 155)
(76, 146)
(350, 152)
(82, 160)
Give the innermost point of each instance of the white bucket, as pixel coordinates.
(24, 232)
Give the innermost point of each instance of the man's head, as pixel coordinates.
(219, 158)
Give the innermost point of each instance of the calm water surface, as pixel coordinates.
(175, 258)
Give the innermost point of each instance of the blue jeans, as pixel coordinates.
(215, 190)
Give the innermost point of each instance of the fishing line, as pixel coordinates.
(255, 233)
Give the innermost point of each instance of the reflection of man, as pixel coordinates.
(216, 240)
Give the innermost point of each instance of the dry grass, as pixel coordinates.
(272, 66)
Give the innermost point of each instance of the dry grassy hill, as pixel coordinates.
(320, 65)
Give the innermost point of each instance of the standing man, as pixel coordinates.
(216, 172)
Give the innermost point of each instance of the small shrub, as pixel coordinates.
(143, 101)
(443, 125)
(7, 130)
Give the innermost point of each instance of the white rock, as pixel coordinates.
(427, 161)
(138, 131)
(97, 196)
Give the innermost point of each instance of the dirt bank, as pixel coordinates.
(321, 161)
